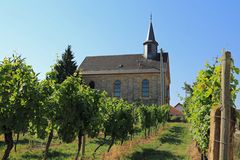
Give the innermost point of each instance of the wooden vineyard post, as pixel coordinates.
(215, 120)
(224, 151)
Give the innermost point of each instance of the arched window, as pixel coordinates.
(117, 88)
(145, 88)
(92, 85)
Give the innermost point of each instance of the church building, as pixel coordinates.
(141, 77)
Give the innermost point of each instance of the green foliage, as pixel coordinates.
(173, 147)
(71, 109)
(206, 93)
(188, 88)
(66, 66)
(165, 113)
(19, 97)
(171, 143)
(152, 116)
(79, 109)
(118, 118)
(47, 116)
(91, 116)
(177, 119)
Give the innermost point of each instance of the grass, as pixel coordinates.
(27, 150)
(171, 143)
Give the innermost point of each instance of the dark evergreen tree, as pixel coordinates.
(188, 88)
(66, 66)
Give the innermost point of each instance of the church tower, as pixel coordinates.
(150, 45)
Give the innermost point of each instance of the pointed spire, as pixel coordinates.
(150, 35)
(150, 44)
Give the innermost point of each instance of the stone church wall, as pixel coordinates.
(131, 85)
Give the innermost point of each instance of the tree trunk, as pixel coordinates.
(105, 135)
(79, 144)
(50, 137)
(104, 142)
(110, 146)
(83, 146)
(145, 133)
(204, 157)
(156, 129)
(15, 146)
(122, 141)
(9, 141)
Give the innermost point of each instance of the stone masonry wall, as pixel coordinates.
(131, 85)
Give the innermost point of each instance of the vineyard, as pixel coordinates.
(67, 110)
(46, 118)
(157, 146)
(205, 94)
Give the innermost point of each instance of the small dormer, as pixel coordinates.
(150, 45)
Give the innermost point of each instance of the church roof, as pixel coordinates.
(132, 63)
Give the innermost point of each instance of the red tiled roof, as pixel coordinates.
(174, 112)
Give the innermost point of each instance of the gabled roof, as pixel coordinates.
(178, 104)
(121, 64)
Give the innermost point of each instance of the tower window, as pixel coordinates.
(149, 48)
(117, 88)
(145, 88)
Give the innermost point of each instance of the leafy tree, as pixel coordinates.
(162, 114)
(118, 120)
(78, 111)
(91, 118)
(50, 108)
(19, 98)
(206, 94)
(44, 123)
(146, 119)
(66, 66)
(152, 116)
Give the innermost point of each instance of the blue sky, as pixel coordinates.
(193, 32)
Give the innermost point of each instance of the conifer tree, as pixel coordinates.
(66, 66)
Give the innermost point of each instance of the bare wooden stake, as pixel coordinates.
(224, 151)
